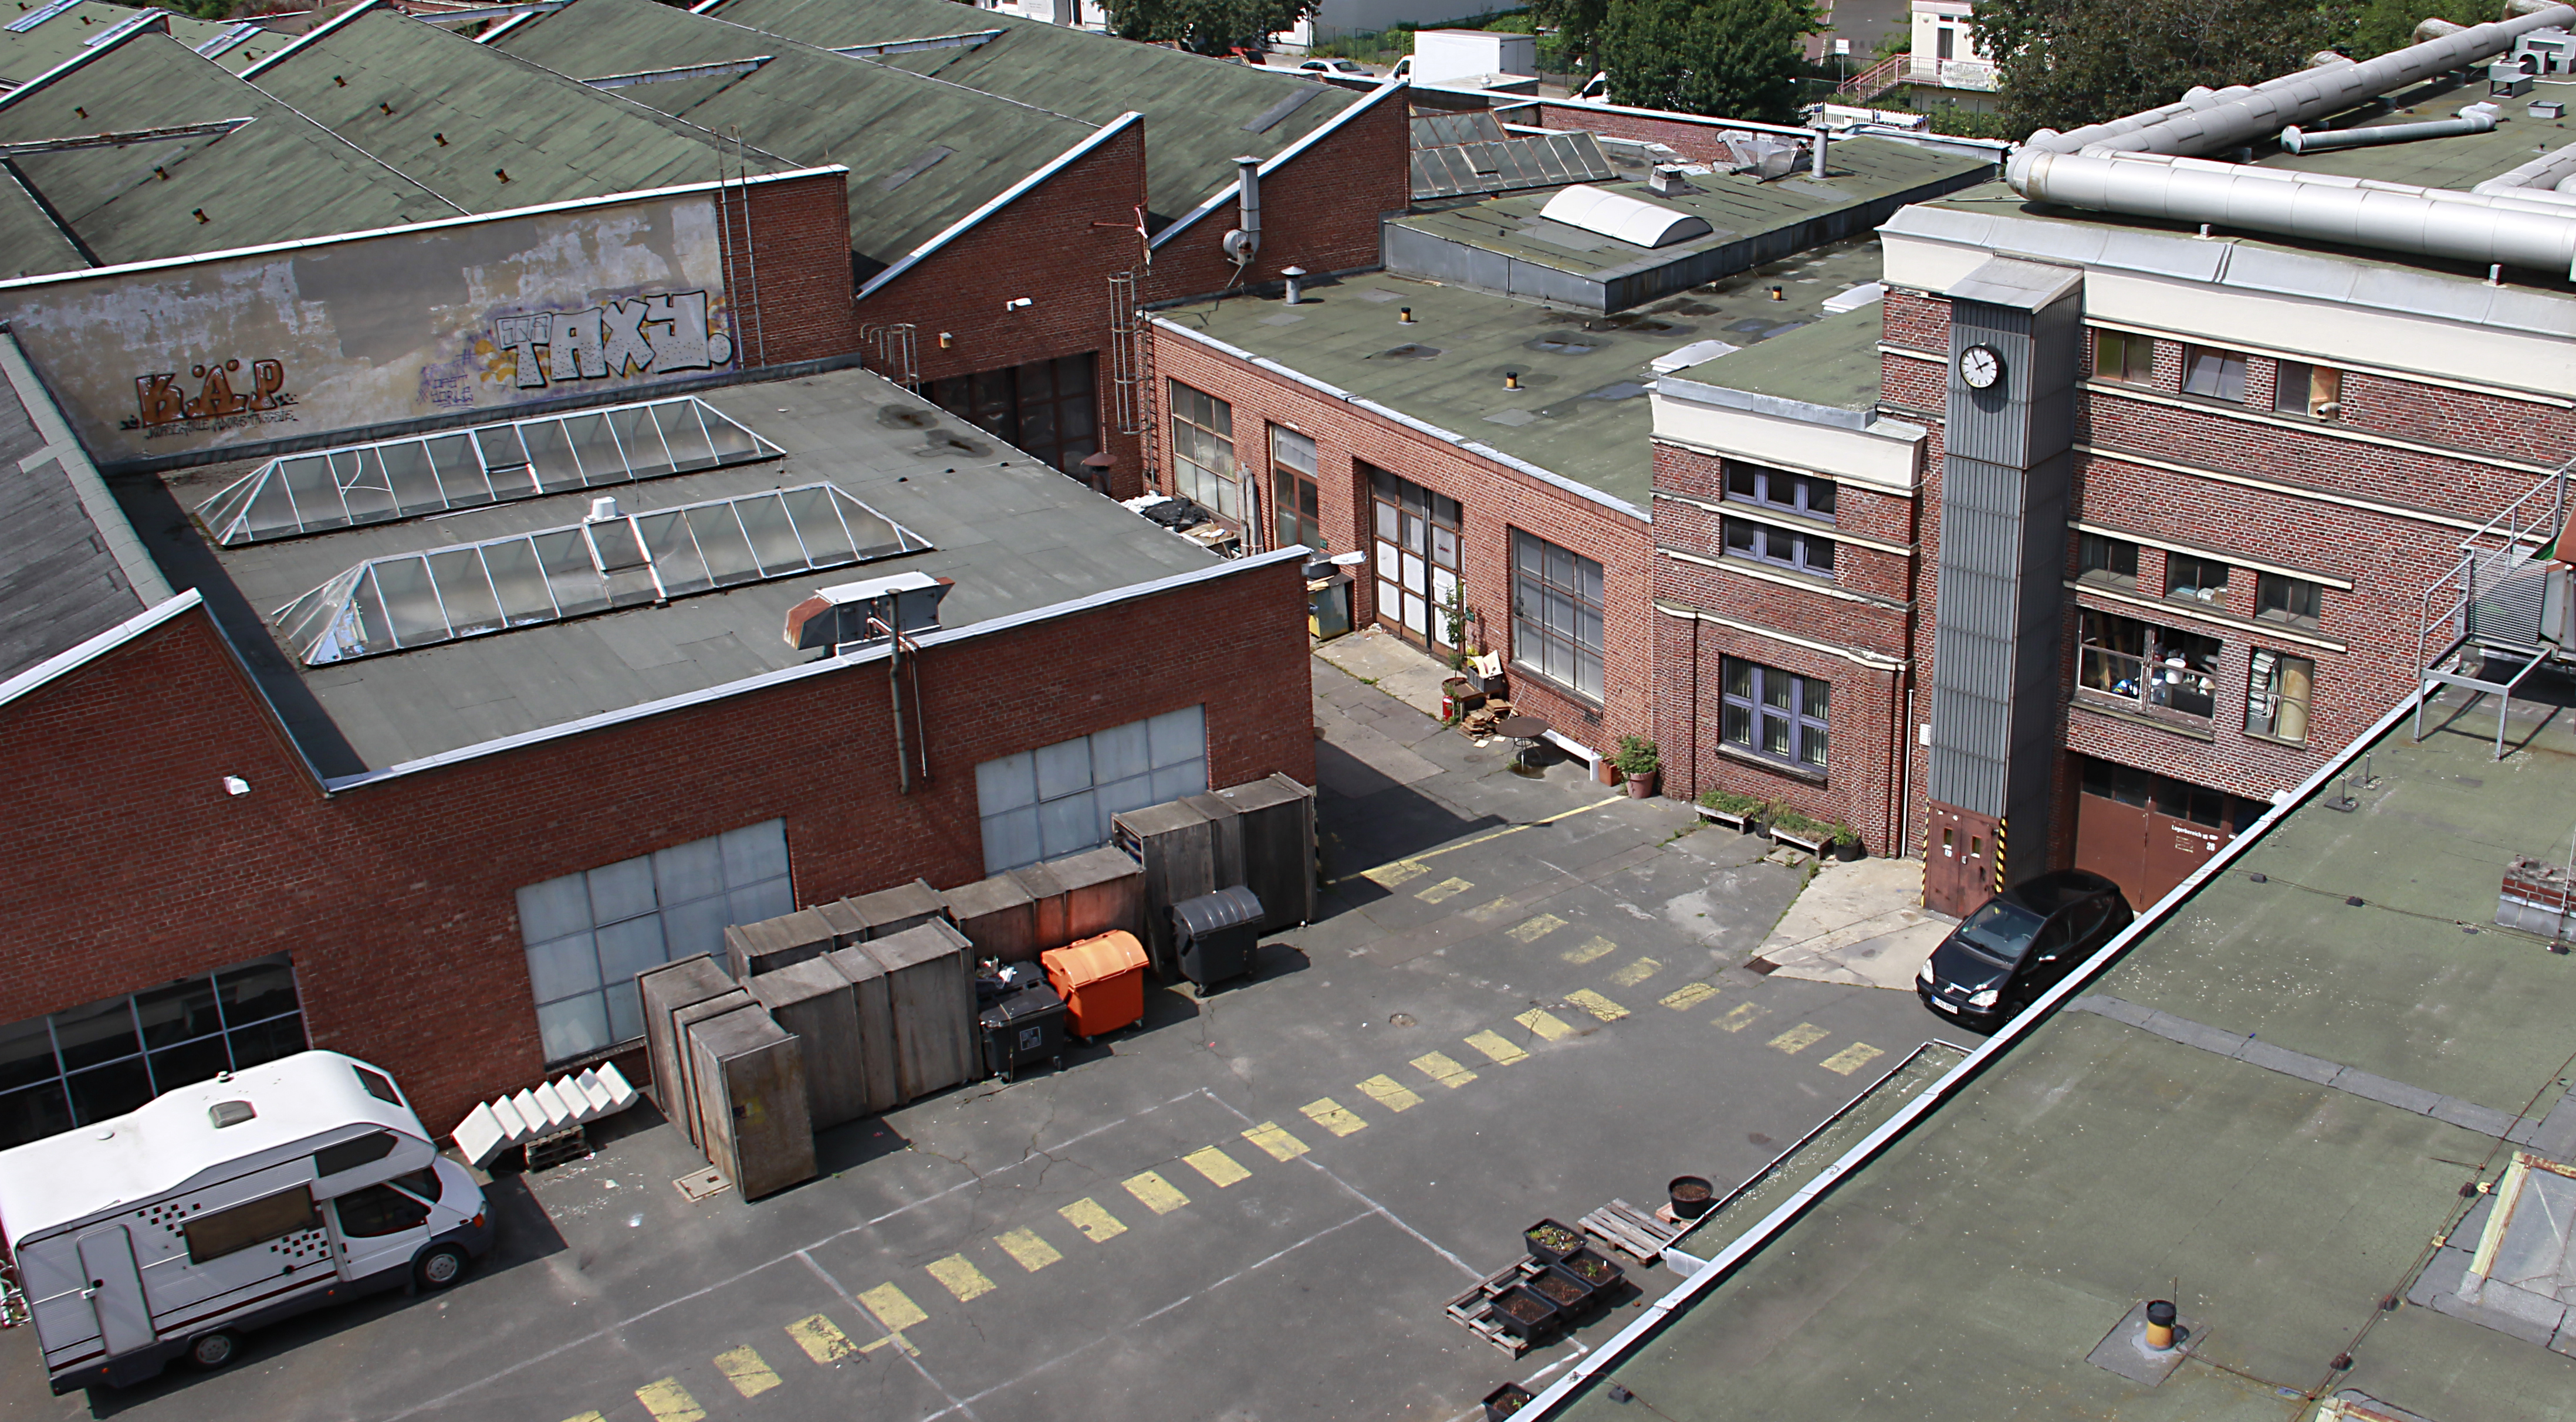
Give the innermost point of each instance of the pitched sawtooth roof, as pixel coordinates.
(922, 153)
(36, 35)
(61, 580)
(1200, 113)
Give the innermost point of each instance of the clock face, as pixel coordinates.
(1980, 367)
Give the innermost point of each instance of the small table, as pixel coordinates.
(1525, 729)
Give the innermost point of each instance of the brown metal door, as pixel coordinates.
(1958, 861)
(2175, 849)
(2111, 840)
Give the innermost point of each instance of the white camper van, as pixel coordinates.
(220, 1207)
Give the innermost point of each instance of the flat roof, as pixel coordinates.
(1581, 411)
(1832, 360)
(1015, 534)
(2269, 1110)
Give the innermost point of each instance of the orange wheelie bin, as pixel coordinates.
(1102, 982)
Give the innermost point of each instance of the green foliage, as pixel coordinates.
(1727, 802)
(1961, 123)
(1206, 26)
(1725, 58)
(2379, 26)
(2067, 63)
(1636, 757)
(1577, 24)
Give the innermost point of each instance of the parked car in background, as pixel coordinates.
(2018, 945)
(1351, 67)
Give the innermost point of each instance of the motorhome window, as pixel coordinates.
(223, 1232)
(349, 1155)
(379, 1086)
(422, 1183)
(378, 1210)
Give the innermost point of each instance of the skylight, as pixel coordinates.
(1617, 215)
(403, 478)
(609, 560)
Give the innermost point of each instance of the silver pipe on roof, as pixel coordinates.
(2207, 121)
(2547, 175)
(2476, 118)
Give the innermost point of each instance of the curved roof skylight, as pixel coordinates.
(609, 560)
(402, 478)
(1623, 218)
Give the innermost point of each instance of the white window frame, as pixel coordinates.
(1056, 800)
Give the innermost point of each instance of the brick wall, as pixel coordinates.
(1701, 142)
(1319, 210)
(795, 268)
(131, 867)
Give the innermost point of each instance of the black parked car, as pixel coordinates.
(2018, 945)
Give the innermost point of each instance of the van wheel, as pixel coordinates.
(440, 1267)
(209, 1351)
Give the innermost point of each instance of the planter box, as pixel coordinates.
(1546, 1252)
(1523, 1314)
(1749, 822)
(1591, 1268)
(1816, 844)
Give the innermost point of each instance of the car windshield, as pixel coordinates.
(2002, 930)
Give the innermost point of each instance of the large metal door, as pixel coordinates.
(115, 1290)
(1416, 552)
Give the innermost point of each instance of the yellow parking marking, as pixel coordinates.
(1744, 1015)
(1689, 995)
(1096, 1224)
(1444, 1069)
(1156, 1193)
(1497, 1047)
(1798, 1039)
(1390, 1093)
(1496, 909)
(1387, 876)
(1635, 973)
(1593, 948)
(1027, 1250)
(669, 1402)
(1596, 1004)
(587, 1417)
(1537, 928)
(1219, 1167)
(1280, 1144)
(892, 1340)
(1328, 1113)
(1444, 891)
(893, 1308)
(822, 1339)
(1545, 1023)
(749, 1373)
(962, 1278)
(1851, 1059)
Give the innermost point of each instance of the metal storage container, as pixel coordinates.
(1225, 837)
(848, 924)
(819, 1007)
(686, 1088)
(665, 990)
(1177, 847)
(1104, 892)
(1046, 904)
(1026, 1027)
(1102, 982)
(905, 906)
(750, 1079)
(1217, 935)
(931, 986)
(1278, 819)
(998, 916)
(872, 1002)
(774, 943)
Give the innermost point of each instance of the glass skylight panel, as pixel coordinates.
(420, 599)
(406, 478)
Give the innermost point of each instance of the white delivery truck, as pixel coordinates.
(219, 1207)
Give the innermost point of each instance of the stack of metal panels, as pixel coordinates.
(931, 988)
(666, 990)
(749, 1076)
(683, 1088)
(1225, 837)
(1177, 847)
(905, 906)
(1104, 892)
(1543, 160)
(872, 1006)
(1046, 902)
(998, 916)
(818, 1005)
(774, 943)
(1278, 830)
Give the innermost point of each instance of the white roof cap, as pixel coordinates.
(1619, 216)
(876, 587)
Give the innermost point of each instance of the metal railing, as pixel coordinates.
(1976, 74)
(2489, 605)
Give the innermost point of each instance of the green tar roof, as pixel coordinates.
(1200, 113)
(922, 153)
(1833, 361)
(24, 54)
(2270, 1111)
(1581, 411)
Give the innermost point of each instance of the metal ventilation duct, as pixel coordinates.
(2476, 118)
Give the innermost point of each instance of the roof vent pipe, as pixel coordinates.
(2477, 118)
(1820, 151)
(1296, 292)
(602, 510)
(1245, 240)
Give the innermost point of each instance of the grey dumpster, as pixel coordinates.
(1216, 935)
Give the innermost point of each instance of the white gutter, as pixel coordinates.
(1111, 597)
(1451, 437)
(141, 573)
(96, 647)
(1224, 195)
(1722, 1265)
(150, 20)
(503, 28)
(297, 44)
(1005, 198)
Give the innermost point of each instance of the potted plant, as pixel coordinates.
(1637, 761)
(1743, 812)
(1847, 846)
(1792, 828)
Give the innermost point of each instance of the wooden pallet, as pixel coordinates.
(546, 1152)
(1474, 1309)
(1631, 1231)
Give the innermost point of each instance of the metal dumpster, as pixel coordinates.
(1102, 981)
(1026, 1027)
(1216, 935)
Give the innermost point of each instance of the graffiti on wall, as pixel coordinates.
(163, 405)
(649, 335)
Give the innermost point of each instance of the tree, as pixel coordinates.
(2066, 63)
(2382, 25)
(1577, 24)
(1206, 26)
(1727, 58)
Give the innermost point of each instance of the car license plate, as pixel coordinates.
(1945, 1007)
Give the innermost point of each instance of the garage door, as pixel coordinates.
(2147, 832)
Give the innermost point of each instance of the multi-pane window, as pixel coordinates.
(1775, 714)
(2304, 389)
(2276, 695)
(1556, 614)
(2217, 374)
(2286, 599)
(2167, 796)
(1057, 800)
(1416, 556)
(1780, 489)
(1783, 547)
(589, 934)
(2117, 355)
(2200, 579)
(1203, 452)
(88, 1063)
(1295, 502)
(1047, 407)
(2104, 558)
(2156, 667)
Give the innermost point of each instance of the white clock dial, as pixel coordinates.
(1980, 367)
